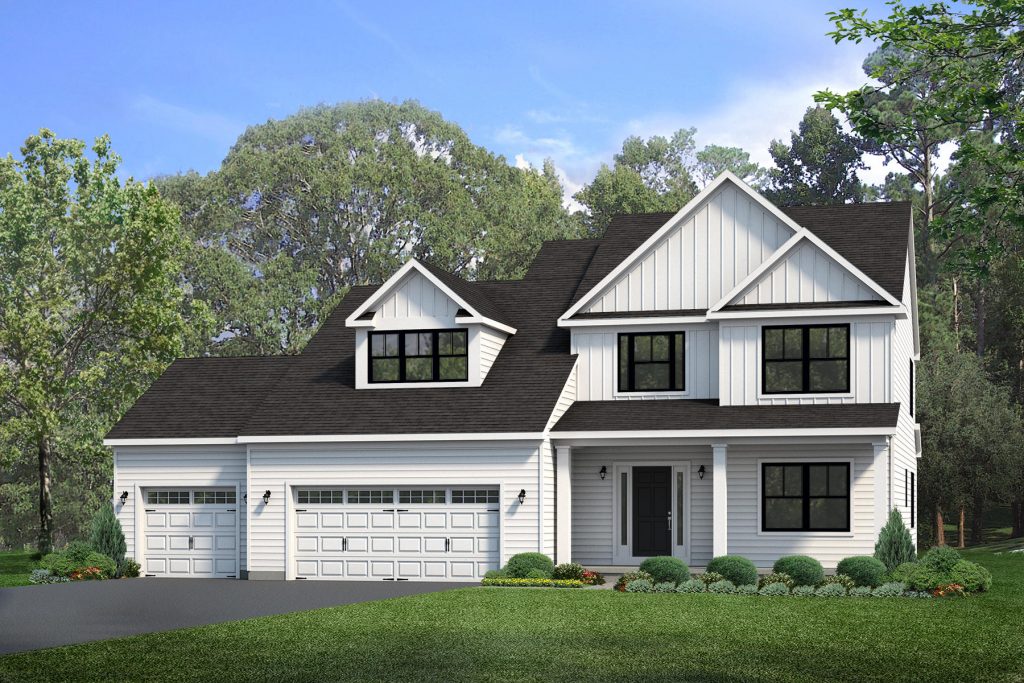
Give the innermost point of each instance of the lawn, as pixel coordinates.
(15, 566)
(537, 634)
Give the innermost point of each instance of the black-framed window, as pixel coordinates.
(652, 361)
(805, 359)
(911, 387)
(805, 496)
(419, 356)
(913, 499)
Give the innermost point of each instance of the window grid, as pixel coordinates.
(321, 496)
(422, 497)
(418, 356)
(637, 352)
(214, 497)
(474, 495)
(791, 344)
(364, 496)
(168, 497)
(796, 485)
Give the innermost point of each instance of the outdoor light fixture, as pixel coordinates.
(266, 497)
(245, 497)
(701, 471)
(124, 497)
(522, 496)
(603, 472)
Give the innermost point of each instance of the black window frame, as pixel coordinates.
(805, 496)
(436, 356)
(805, 359)
(913, 499)
(911, 387)
(631, 362)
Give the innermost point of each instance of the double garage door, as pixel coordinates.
(435, 534)
(190, 533)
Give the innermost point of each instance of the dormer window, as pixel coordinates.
(420, 356)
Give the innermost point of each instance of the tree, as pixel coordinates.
(90, 311)
(714, 160)
(819, 166)
(894, 546)
(107, 536)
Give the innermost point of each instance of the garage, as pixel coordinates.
(395, 534)
(190, 533)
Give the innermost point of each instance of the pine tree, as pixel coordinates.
(894, 546)
(107, 536)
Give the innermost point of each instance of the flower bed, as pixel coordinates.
(533, 583)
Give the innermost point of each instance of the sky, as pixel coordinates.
(175, 83)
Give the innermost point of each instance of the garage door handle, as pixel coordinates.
(191, 542)
(344, 544)
(447, 544)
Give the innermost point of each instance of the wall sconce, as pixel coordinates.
(266, 497)
(245, 497)
(124, 497)
(603, 472)
(701, 471)
(522, 496)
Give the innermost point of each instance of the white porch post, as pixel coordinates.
(563, 503)
(720, 504)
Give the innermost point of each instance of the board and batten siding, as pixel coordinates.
(510, 465)
(175, 467)
(490, 342)
(806, 275)
(592, 499)
(701, 259)
(417, 297)
(740, 366)
(597, 368)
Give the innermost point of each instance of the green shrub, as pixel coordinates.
(665, 587)
(972, 576)
(839, 579)
(77, 551)
(106, 536)
(130, 569)
(666, 569)
(103, 563)
(592, 578)
(941, 559)
(739, 570)
(803, 591)
(917, 594)
(777, 588)
(831, 590)
(632, 576)
(60, 564)
(692, 586)
(724, 586)
(74, 564)
(804, 570)
(776, 577)
(923, 578)
(894, 546)
(532, 583)
(708, 578)
(495, 574)
(893, 589)
(568, 570)
(520, 565)
(640, 586)
(903, 573)
(749, 589)
(863, 569)
(537, 574)
(860, 592)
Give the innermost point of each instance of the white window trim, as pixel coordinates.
(653, 395)
(809, 459)
(763, 397)
(623, 555)
(363, 372)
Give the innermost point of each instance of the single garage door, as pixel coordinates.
(435, 534)
(191, 533)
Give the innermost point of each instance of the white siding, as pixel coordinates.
(707, 254)
(740, 365)
(491, 342)
(417, 297)
(513, 466)
(549, 504)
(597, 378)
(176, 466)
(806, 275)
(565, 399)
(904, 447)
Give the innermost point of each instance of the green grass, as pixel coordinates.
(15, 566)
(537, 634)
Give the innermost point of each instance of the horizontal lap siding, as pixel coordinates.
(490, 345)
(548, 466)
(173, 466)
(904, 447)
(513, 465)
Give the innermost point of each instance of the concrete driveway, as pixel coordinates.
(33, 617)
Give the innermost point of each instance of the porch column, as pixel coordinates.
(720, 501)
(563, 504)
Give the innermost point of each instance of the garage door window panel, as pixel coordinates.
(321, 496)
(423, 497)
(168, 497)
(371, 496)
(474, 496)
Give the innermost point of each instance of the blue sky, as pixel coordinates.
(175, 83)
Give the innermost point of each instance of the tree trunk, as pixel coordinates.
(978, 521)
(940, 527)
(981, 320)
(45, 543)
(1017, 508)
(956, 312)
(960, 530)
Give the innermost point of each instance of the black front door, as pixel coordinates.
(652, 510)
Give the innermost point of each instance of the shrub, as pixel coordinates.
(922, 578)
(620, 585)
(972, 576)
(903, 573)
(839, 579)
(77, 551)
(893, 589)
(941, 558)
(495, 574)
(692, 586)
(665, 587)
(73, 563)
(107, 537)
(130, 569)
(776, 577)
(949, 590)
(724, 586)
(805, 571)
(749, 589)
(831, 590)
(568, 570)
(863, 569)
(639, 586)
(804, 591)
(537, 574)
(666, 568)
(103, 563)
(592, 578)
(777, 588)
(520, 565)
(532, 583)
(917, 594)
(708, 578)
(739, 570)
(894, 546)
(860, 592)
(40, 576)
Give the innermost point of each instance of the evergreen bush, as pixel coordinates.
(692, 586)
(776, 577)
(739, 570)
(107, 536)
(777, 588)
(805, 571)
(520, 565)
(666, 569)
(894, 546)
(863, 569)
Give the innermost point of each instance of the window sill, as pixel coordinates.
(806, 534)
(650, 394)
(416, 385)
(762, 396)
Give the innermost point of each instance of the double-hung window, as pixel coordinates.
(806, 359)
(805, 496)
(426, 356)
(652, 361)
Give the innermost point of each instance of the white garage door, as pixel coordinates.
(191, 533)
(435, 534)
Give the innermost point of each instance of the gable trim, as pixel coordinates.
(388, 287)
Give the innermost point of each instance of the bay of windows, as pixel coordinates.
(424, 356)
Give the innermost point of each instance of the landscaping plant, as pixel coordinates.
(776, 577)
(863, 569)
(620, 585)
(739, 570)
(665, 587)
(803, 591)
(841, 579)
(640, 586)
(568, 570)
(773, 589)
(130, 568)
(893, 589)
(831, 590)
(750, 589)
(532, 583)
(894, 546)
(805, 571)
(519, 566)
(107, 537)
(692, 586)
(724, 586)
(708, 578)
(666, 569)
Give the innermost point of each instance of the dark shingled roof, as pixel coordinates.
(470, 293)
(806, 305)
(606, 416)
(680, 313)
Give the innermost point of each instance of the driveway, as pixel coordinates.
(33, 617)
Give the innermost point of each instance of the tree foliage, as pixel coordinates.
(107, 537)
(894, 545)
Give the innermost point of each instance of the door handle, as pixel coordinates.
(447, 544)
(191, 542)
(344, 544)
(670, 520)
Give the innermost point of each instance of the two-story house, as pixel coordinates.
(732, 378)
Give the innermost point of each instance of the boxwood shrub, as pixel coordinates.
(568, 570)
(739, 570)
(863, 569)
(666, 568)
(941, 558)
(972, 576)
(805, 571)
(537, 574)
(519, 566)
